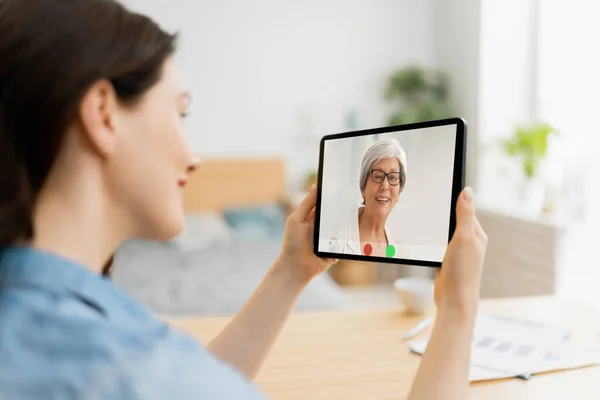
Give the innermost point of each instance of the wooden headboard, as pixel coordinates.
(219, 184)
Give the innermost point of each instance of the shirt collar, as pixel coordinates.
(353, 233)
(26, 266)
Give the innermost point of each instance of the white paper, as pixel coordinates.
(475, 373)
(504, 348)
(513, 346)
(562, 358)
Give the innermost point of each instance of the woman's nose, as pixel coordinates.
(194, 163)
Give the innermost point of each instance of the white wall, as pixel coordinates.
(568, 87)
(457, 47)
(269, 77)
(489, 49)
(507, 94)
(569, 83)
(422, 214)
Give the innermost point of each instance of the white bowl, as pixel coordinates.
(416, 294)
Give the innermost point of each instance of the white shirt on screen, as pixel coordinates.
(347, 240)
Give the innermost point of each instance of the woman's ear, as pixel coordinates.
(96, 117)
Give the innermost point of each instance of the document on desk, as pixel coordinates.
(561, 359)
(513, 346)
(505, 348)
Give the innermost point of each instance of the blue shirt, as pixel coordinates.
(67, 333)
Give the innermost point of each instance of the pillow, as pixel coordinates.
(264, 221)
(203, 230)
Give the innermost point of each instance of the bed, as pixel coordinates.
(235, 213)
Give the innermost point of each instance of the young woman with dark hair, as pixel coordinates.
(93, 152)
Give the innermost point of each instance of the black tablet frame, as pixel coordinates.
(458, 182)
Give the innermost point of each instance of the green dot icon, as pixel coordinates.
(390, 251)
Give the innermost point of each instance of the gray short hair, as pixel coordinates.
(379, 151)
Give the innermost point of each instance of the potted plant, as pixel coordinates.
(418, 95)
(529, 144)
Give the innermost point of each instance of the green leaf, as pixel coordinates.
(530, 144)
(529, 167)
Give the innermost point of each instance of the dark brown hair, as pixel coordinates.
(51, 52)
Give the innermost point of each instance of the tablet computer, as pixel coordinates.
(389, 194)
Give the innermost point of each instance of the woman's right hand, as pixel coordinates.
(458, 281)
(447, 357)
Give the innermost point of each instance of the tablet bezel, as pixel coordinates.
(458, 182)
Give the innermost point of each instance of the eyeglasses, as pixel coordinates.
(393, 178)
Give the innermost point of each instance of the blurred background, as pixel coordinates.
(269, 78)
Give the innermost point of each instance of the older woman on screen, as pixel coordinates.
(382, 179)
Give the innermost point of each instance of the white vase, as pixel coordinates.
(531, 196)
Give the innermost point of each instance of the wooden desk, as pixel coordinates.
(360, 354)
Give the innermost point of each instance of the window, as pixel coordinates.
(568, 91)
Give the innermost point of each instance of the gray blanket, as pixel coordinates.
(211, 281)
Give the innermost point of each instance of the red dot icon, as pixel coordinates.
(368, 249)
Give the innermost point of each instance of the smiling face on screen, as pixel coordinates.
(381, 192)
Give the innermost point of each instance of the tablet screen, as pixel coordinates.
(388, 195)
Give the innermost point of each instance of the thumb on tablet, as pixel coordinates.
(307, 205)
(465, 210)
(459, 279)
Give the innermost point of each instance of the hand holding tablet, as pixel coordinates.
(389, 194)
(396, 195)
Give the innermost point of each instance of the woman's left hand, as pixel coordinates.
(297, 254)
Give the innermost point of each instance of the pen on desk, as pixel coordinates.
(418, 328)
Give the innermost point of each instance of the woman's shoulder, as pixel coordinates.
(59, 338)
(47, 352)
